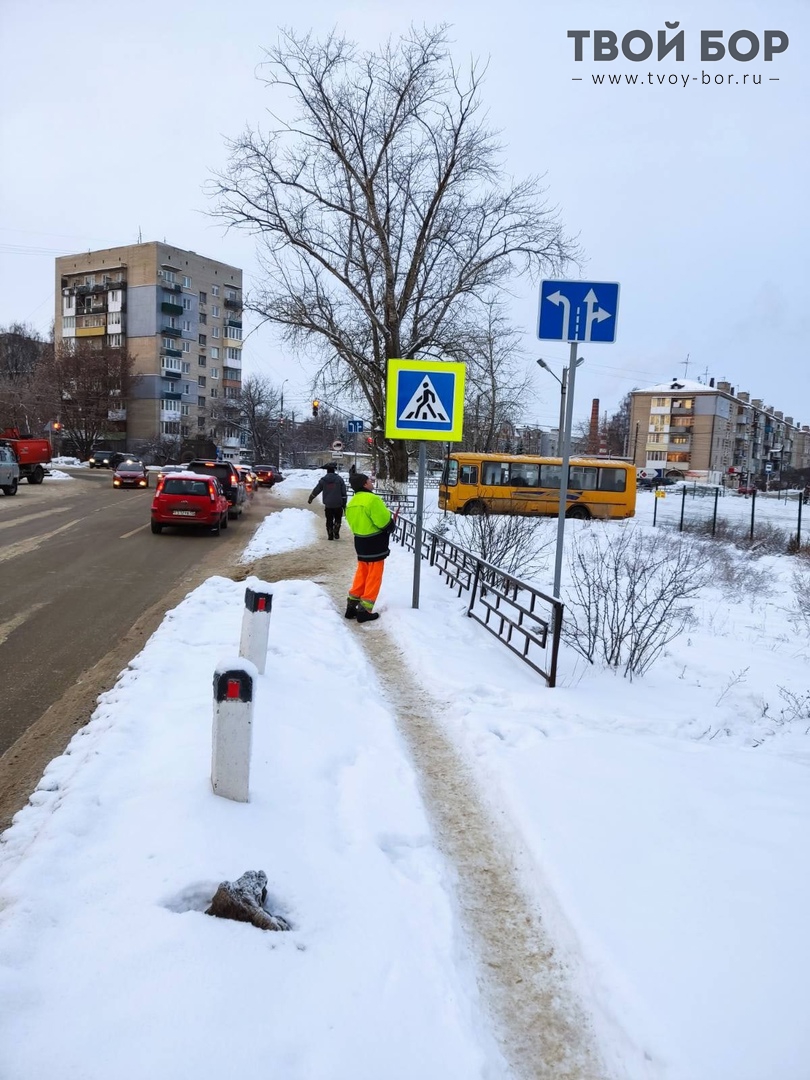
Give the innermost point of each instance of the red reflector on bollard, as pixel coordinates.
(262, 604)
(233, 689)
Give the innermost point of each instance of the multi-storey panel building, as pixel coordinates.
(179, 315)
(710, 432)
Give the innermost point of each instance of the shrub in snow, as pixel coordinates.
(516, 545)
(628, 595)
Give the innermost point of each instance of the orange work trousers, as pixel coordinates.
(367, 581)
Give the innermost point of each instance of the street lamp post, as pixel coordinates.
(563, 387)
(281, 421)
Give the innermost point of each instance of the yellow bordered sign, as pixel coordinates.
(424, 400)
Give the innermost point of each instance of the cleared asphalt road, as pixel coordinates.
(82, 582)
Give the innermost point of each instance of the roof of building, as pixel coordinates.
(687, 386)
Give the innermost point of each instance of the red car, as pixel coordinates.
(268, 475)
(130, 473)
(187, 498)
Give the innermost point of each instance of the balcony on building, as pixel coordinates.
(234, 305)
(171, 395)
(170, 368)
(90, 331)
(172, 415)
(171, 331)
(234, 322)
(169, 308)
(170, 352)
(232, 442)
(117, 414)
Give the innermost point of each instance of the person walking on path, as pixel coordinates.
(333, 487)
(372, 524)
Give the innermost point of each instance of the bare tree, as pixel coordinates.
(383, 220)
(496, 387)
(24, 399)
(91, 386)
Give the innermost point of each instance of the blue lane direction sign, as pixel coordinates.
(578, 311)
(424, 400)
(354, 427)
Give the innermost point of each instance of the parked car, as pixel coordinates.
(746, 489)
(232, 483)
(9, 471)
(268, 475)
(188, 498)
(649, 483)
(130, 474)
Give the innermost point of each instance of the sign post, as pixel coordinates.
(424, 400)
(574, 311)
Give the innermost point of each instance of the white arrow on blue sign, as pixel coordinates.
(353, 427)
(578, 311)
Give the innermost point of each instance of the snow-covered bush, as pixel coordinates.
(629, 594)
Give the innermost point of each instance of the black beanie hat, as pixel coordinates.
(330, 467)
(358, 481)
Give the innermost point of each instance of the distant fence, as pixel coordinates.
(712, 509)
(525, 619)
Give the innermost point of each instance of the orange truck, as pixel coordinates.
(33, 455)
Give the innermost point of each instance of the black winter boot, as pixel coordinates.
(351, 609)
(364, 615)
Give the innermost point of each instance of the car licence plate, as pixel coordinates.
(184, 513)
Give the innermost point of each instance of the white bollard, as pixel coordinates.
(256, 628)
(233, 730)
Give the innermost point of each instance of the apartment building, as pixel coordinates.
(711, 432)
(179, 315)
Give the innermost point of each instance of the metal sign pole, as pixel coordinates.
(417, 542)
(566, 455)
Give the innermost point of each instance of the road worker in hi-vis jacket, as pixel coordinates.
(372, 524)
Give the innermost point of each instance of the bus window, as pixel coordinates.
(550, 476)
(524, 475)
(469, 474)
(450, 475)
(494, 472)
(582, 478)
(612, 479)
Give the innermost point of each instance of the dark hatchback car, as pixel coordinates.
(130, 474)
(103, 457)
(650, 483)
(268, 475)
(230, 481)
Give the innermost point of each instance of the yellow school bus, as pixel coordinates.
(520, 484)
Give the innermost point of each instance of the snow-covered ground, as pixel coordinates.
(660, 824)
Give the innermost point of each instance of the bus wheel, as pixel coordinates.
(581, 512)
(475, 507)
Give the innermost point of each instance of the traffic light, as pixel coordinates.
(369, 440)
(56, 426)
(315, 405)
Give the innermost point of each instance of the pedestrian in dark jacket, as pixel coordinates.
(332, 488)
(372, 524)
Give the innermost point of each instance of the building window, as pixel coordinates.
(69, 322)
(215, 332)
(201, 420)
(187, 303)
(233, 332)
(186, 282)
(201, 361)
(213, 392)
(215, 352)
(231, 294)
(185, 369)
(187, 325)
(202, 339)
(114, 341)
(200, 380)
(185, 346)
(184, 410)
(232, 354)
(214, 373)
(168, 275)
(168, 343)
(115, 296)
(201, 402)
(660, 402)
(215, 311)
(215, 290)
(113, 318)
(203, 298)
(186, 386)
(203, 319)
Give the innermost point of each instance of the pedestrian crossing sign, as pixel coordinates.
(424, 400)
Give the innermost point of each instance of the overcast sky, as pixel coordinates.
(694, 198)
